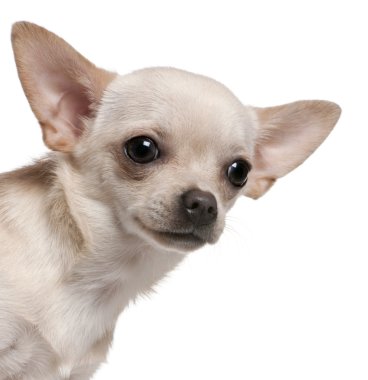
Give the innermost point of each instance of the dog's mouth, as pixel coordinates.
(181, 236)
(184, 241)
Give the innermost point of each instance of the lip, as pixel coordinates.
(184, 241)
(189, 237)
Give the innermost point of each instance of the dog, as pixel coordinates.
(142, 170)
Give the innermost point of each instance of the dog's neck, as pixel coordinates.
(114, 266)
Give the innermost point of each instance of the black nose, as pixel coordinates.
(200, 206)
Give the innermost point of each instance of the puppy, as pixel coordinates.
(143, 169)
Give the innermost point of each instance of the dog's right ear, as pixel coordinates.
(62, 87)
(286, 136)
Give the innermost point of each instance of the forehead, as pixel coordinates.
(190, 109)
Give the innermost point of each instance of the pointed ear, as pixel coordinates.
(61, 85)
(286, 136)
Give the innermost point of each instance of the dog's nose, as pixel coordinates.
(200, 206)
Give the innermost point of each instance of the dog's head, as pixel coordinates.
(168, 150)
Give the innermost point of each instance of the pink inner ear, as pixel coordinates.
(65, 103)
(72, 107)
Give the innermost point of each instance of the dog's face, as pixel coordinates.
(172, 150)
(167, 150)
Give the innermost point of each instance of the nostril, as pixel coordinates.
(195, 205)
(211, 210)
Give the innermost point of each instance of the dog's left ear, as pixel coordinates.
(286, 136)
(61, 85)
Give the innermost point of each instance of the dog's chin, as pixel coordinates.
(177, 241)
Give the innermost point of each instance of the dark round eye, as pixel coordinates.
(141, 150)
(237, 173)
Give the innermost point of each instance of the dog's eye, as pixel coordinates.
(141, 150)
(237, 172)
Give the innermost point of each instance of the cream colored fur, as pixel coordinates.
(77, 240)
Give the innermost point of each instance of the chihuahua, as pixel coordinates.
(143, 170)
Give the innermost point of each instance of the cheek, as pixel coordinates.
(138, 188)
(228, 198)
(228, 193)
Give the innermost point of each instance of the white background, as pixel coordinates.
(284, 294)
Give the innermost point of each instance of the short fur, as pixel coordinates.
(85, 230)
